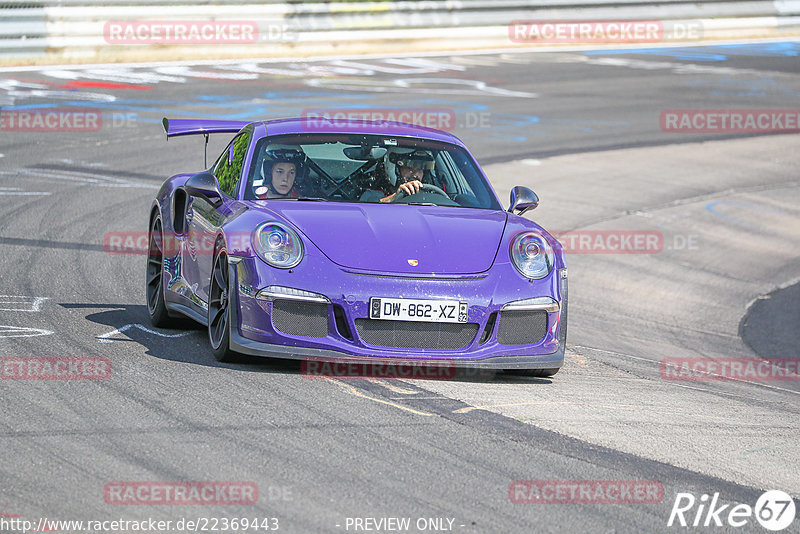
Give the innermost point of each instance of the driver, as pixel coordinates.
(279, 171)
(409, 168)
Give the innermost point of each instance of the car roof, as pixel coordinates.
(360, 127)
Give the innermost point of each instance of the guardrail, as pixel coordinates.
(83, 29)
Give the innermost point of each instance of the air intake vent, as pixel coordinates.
(521, 327)
(297, 318)
(416, 335)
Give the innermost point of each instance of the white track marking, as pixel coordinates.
(677, 68)
(21, 303)
(22, 331)
(119, 75)
(552, 403)
(425, 64)
(475, 61)
(393, 55)
(16, 89)
(106, 338)
(271, 71)
(85, 177)
(404, 66)
(19, 192)
(13, 85)
(216, 75)
(441, 86)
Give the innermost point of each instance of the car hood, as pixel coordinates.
(391, 238)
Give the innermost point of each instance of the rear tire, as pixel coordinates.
(219, 327)
(154, 286)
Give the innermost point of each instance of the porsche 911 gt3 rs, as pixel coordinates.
(359, 241)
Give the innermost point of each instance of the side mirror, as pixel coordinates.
(522, 200)
(204, 185)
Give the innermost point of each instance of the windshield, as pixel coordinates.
(366, 168)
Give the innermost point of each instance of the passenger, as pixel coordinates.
(280, 173)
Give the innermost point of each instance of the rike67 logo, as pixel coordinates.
(774, 510)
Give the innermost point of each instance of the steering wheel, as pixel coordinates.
(425, 187)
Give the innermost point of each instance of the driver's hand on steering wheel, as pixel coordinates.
(409, 188)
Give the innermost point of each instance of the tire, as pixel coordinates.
(154, 282)
(219, 328)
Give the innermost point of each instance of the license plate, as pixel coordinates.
(435, 311)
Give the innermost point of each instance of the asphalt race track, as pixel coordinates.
(585, 131)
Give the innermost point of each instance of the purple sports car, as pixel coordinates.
(357, 241)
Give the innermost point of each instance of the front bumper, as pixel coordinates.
(253, 332)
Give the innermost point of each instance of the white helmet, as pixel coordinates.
(406, 157)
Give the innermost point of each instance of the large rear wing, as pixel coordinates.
(177, 127)
(204, 127)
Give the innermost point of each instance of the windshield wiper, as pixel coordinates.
(420, 204)
(312, 199)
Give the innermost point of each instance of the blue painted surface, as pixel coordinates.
(711, 207)
(711, 53)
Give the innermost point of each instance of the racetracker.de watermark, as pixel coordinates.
(200, 243)
(611, 241)
(572, 242)
(730, 120)
(312, 369)
(150, 525)
(441, 119)
(55, 368)
(602, 31)
(704, 369)
(181, 493)
(585, 492)
(128, 32)
(51, 120)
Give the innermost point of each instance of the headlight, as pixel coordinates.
(278, 245)
(532, 255)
